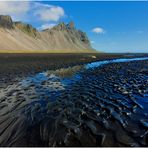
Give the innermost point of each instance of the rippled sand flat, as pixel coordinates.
(90, 105)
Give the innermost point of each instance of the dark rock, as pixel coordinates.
(27, 28)
(6, 22)
(70, 25)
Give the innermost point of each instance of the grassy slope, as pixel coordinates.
(46, 51)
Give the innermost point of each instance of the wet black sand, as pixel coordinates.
(14, 66)
(107, 106)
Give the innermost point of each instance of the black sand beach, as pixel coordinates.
(14, 66)
(79, 106)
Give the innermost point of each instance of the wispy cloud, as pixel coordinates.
(48, 12)
(98, 30)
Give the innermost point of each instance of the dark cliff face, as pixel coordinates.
(6, 22)
(83, 37)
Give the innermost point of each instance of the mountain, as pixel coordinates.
(21, 37)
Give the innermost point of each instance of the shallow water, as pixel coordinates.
(75, 76)
(97, 64)
(61, 107)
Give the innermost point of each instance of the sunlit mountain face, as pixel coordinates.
(110, 26)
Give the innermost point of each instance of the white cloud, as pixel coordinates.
(47, 26)
(9, 7)
(98, 30)
(49, 12)
(29, 11)
(17, 9)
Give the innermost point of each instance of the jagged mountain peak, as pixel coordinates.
(71, 25)
(24, 37)
(6, 22)
(26, 28)
(62, 26)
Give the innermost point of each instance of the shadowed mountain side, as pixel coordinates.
(20, 37)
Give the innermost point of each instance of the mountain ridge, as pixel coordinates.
(22, 37)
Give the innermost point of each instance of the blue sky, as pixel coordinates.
(110, 26)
